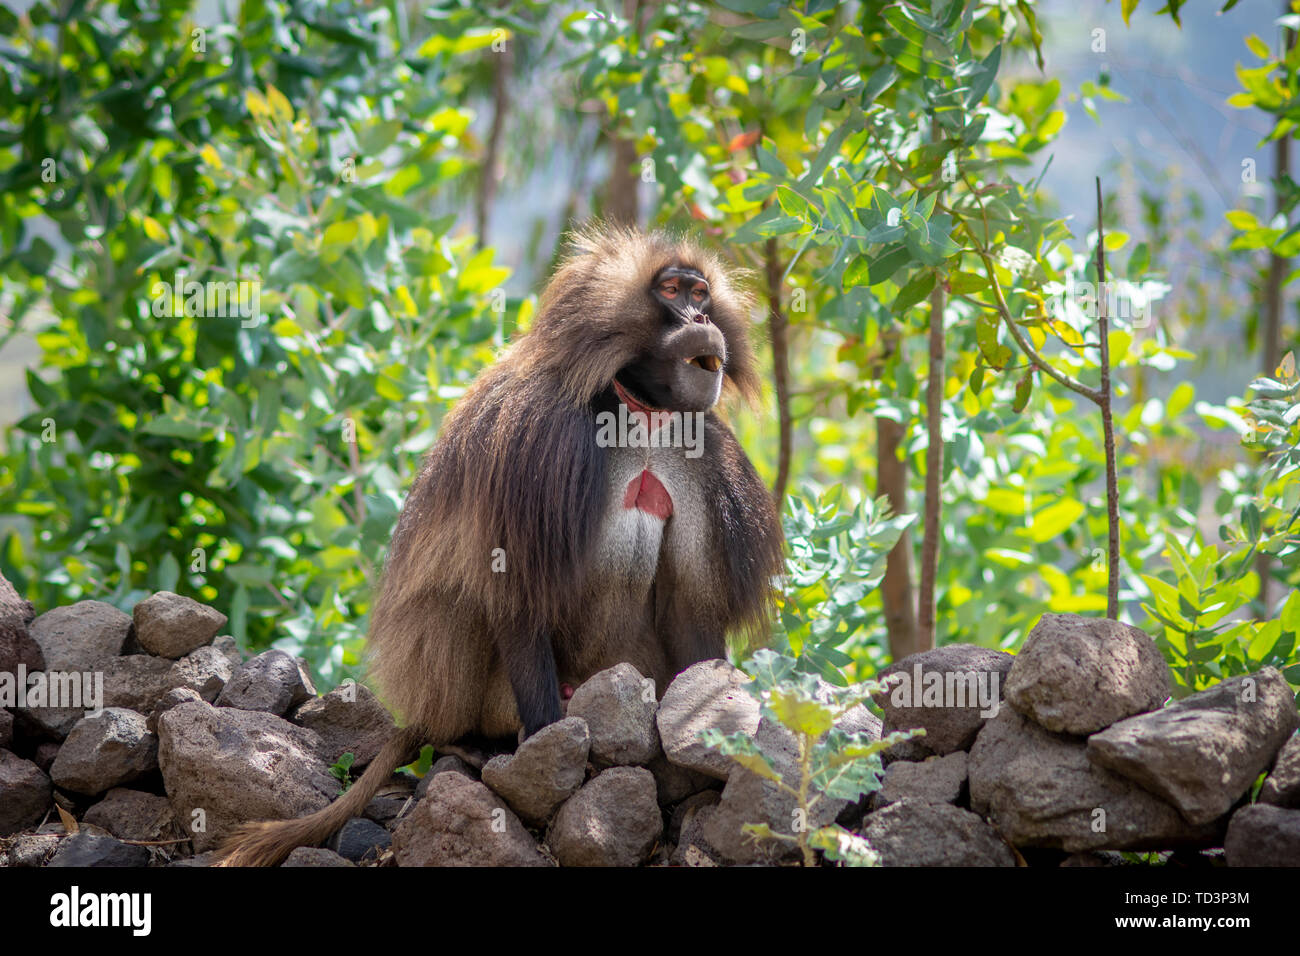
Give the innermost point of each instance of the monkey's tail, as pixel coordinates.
(269, 842)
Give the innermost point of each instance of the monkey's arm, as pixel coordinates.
(530, 664)
(540, 480)
(748, 553)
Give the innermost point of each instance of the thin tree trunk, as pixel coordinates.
(896, 588)
(1107, 423)
(925, 610)
(621, 204)
(778, 329)
(491, 174)
(621, 201)
(1270, 332)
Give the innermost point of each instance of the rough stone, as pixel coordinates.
(6, 729)
(25, 793)
(1263, 835)
(315, 856)
(272, 682)
(44, 755)
(133, 815)
(204, 671)
(546, 770)
(172, 698)
(686, 811)
(135, 682)
(360, 839)
(918, 700)
(934, 780)
(56, 722)
(1282, 785)
(1203, 752)
(393, 799)
(1041, 790)
(16, 643)
(349, 719)
(79, 636)
(33, 849)
(676, 783)
(171, 625)
(856, 720)
(921, 833)
(90, 849)
(229, 649)
(1078, 675)
(692, 848)
(105, 750)
(619, 707)
(614, 820)
(237, 765)
(448, 763)
(386, 810)
(710, 694)
(463, 823)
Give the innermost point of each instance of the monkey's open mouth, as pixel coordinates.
(710, 363)
(633, 401)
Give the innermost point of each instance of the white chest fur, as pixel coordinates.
(634, 539)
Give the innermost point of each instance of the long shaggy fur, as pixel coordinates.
(517, 468)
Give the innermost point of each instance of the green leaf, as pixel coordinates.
(1290, 616)
(858, 273)
(1024, 388)
(1055, 519)
(917, 288)
(801, 714)
(744, 750)
(424, 761)
(337, 239)
(1250, 518)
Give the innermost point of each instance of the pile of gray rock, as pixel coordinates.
(187, 740)
(1063, 752)
(1081, 759)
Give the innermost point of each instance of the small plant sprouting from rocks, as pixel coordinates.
(342, 771)
(424, 761)
(831, 762)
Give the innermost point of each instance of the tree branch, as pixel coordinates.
(1107, 423)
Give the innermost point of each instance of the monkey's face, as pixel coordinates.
(681, 368)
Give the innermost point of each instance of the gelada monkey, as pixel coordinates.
(583, 506)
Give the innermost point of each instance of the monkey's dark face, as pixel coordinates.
(681, 370)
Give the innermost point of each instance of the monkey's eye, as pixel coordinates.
(669, 290)
(698, 293)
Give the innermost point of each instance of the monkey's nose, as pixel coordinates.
(699, 317)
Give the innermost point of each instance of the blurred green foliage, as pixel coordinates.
(252, 452)
(256, 457)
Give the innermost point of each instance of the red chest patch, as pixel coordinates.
(647, 493)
